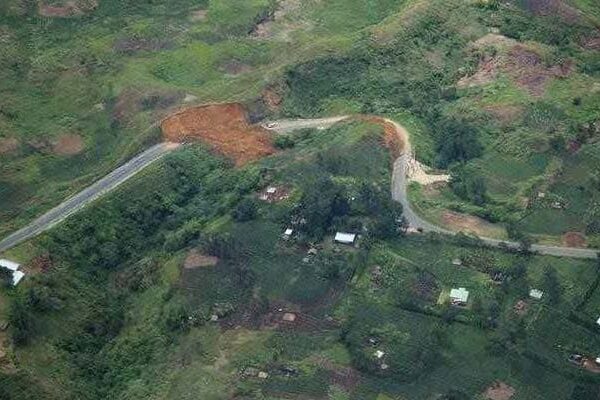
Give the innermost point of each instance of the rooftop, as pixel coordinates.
(346, 238)
(13, 266)
(460, 294)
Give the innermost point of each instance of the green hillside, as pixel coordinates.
(181, 285)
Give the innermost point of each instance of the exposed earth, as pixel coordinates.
(225, 127)
(68, 145)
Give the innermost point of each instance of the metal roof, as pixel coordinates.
(13, 266)
(460, 294)
(346, 238)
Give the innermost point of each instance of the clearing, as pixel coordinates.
(499, 391)
(68, 145)
(67, 9)
(195, 259)
(225, 127)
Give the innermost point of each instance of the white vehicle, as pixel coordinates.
(271, 125)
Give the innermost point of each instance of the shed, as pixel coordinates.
(536, 294)
(345, 238)
(288, 232)
(459, 296)
(271, 190)
(598, 321)
(457, 262)
(13, 266)
(379, 354)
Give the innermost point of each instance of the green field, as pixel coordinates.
(118, 303)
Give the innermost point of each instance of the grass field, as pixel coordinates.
(117, 306)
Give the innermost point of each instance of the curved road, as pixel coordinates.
(398, 189)
(81, 199)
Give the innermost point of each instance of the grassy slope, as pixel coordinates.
(79, 353)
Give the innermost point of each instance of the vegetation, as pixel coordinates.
(182, 285)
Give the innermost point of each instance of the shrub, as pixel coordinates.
(246, 210)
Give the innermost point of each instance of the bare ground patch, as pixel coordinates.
(195, 259)
(8, 145)
(272, 97)
(68, 145)
(275, 26)
(574, 239)
(499, 391)
(66, 9)
(557, 8)
(521, 63)
(223, 126)
(469, 223)
(198, 15)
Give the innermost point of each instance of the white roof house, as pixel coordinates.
(288, 232)
(460, 295)
(598, 321)
(13, 266)
(17, 276)
(345, 238)
(271, 190)
(536, 294)
(379, 354)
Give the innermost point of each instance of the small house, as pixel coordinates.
(13, 266)
(457, 262)
(271, 190)
(17, 275)
(598, 321)
(288, 233)
(289, 317)
(263, 375)
(345, 238)
(379, 354)
(536, 294)
(459, 296)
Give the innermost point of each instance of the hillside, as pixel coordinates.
(183, 283)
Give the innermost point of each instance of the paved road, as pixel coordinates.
(289, 125)
(399, 193)
(398, 189)
(75, 203)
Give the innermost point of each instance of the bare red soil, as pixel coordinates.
(225, 127)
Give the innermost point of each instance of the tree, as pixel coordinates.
(552, 285)
(21, 321)
(466, 184)
(458, 141)
(246, 210)
(6, 277)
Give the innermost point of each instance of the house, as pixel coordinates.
(457, 262)
(288, 233)
(345, 238)
(379, 354)
(598, 321)
(536, 294)
(289, 317)
(13, 266)
(459, 296)
(17, 275)
(271, 190)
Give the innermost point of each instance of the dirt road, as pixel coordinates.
(88, 195)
